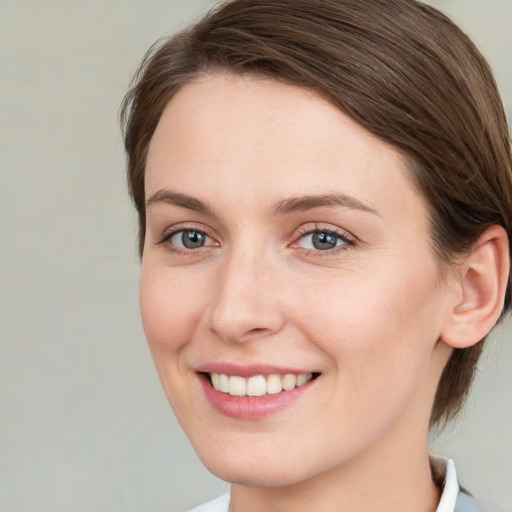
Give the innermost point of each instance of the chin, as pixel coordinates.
(259, 465)
(254, 475)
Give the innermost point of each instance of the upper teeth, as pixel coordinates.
(258, 385)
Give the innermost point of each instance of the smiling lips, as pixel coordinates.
(257, 385)
(252, 393)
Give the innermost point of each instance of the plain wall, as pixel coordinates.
(84, 425)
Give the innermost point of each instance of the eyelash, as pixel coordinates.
(306, 230)
(166, 240)
(347, 240)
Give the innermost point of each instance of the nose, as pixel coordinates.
(246, 301)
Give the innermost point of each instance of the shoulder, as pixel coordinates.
(454, 498)
(466, 503)
(220, 504)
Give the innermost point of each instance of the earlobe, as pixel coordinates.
(482, 285)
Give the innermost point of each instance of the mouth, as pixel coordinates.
(258, 385)
(253, 392)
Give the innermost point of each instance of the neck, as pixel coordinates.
(394, 476)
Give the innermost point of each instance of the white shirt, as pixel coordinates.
(451, 484)
(446, 504)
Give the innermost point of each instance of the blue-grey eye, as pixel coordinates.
(321, 241)
(189, 239)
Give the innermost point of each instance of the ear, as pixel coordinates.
(481, 287)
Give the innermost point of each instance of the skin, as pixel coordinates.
(367, 315)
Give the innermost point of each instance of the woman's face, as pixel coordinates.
(287, 256)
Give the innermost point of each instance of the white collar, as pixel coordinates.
(450, 492)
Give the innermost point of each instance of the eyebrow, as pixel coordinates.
(178, 199)
(304, 203)
(291, 205)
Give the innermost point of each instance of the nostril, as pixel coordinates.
(257, 331)
(237, 317)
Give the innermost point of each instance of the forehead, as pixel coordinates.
(265, 139)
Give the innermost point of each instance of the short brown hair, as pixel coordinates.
(399, 68)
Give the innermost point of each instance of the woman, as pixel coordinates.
(324, 196)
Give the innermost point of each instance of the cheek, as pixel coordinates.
(379, 331)
(169, 309)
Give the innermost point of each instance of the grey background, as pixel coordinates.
(84, 425)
